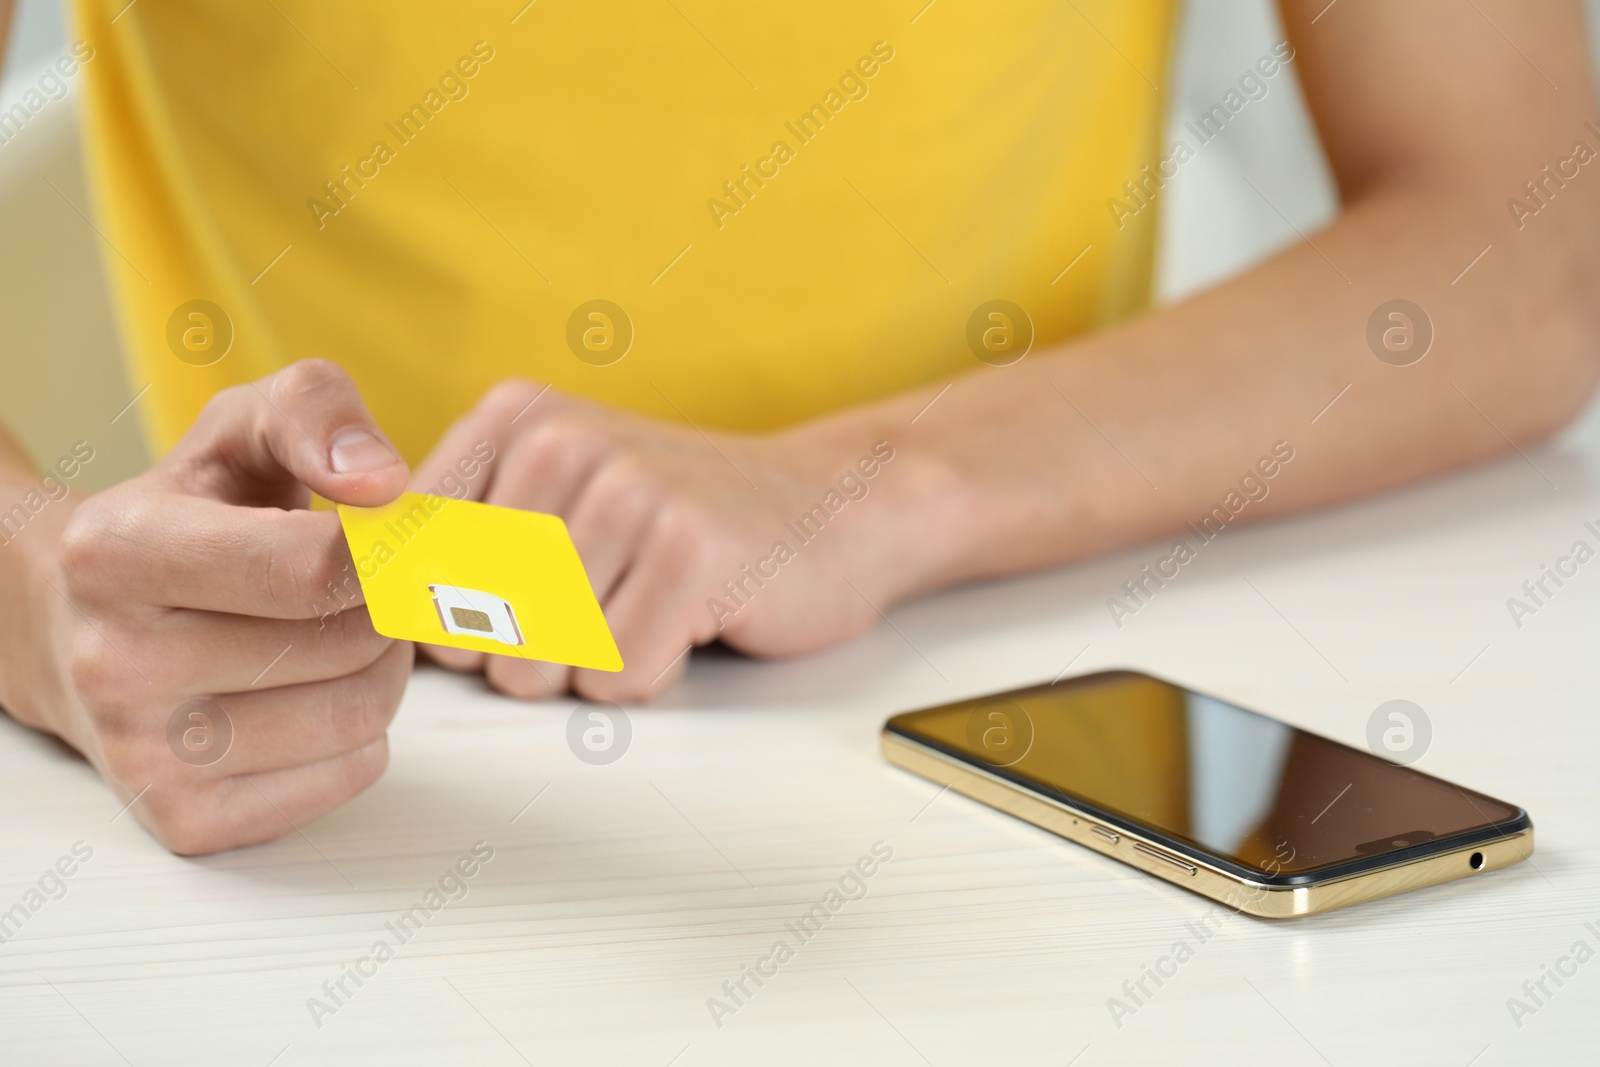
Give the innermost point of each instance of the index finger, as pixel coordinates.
(173, 550)
(476, 442)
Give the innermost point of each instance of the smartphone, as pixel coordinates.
(1264, 817)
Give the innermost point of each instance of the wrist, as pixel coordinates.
(996, 481)
(926, 528)
(912, 524)
(32, 687)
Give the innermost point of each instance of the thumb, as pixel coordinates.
(305, 426)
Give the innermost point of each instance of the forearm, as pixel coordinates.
(1132, 433)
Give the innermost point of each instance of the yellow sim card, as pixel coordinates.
(475, 576)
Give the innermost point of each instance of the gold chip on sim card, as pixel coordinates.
(475, 576)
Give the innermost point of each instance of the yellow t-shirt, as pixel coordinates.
(790, 209)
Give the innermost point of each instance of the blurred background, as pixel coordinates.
(61, 374)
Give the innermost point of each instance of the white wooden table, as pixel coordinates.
(618, 903)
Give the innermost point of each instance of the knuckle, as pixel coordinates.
(303, 573)
(559, 440)
(307, 376)
(186, 825)
(689, 543)
(321, 566)
(102, 679)
(510, 394)
(348, 640)
(453, 659)
(524, 680)
(282, 575)
(559, 429)
(131, 759)
(623, 688)
(535, 451)
(223, 406)
(365, 766)
(88, 543)
(188, 838)
(81, 550)
(620, 496)
(623, 483)
(544, 443)
(359, 720)
(364, 715)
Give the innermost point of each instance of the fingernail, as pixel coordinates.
(356, 450)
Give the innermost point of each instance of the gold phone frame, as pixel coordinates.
(1188, 871)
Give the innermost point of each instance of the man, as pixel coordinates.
(718, 258)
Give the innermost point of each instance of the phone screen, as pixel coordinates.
(1259, 793)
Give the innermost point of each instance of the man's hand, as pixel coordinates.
(202, 585)
(680, 532)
